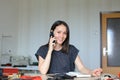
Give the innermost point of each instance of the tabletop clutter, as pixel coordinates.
(13, 74)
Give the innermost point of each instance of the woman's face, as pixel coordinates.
(60, 34)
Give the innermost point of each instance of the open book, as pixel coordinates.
(78, 74)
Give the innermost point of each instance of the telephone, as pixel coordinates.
(60, 76)
(52, 34)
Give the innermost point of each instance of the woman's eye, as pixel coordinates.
(58, 32)
(65, 33)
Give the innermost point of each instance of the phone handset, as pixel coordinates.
(52, 34)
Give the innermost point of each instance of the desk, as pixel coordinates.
(45, 77)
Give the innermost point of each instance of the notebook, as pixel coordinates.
(78, 74)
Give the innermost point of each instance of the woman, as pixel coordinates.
(58, 56)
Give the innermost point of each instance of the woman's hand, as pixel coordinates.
(97, 72)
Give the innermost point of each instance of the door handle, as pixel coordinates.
(104, 51)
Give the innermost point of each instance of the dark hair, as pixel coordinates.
(65, 45)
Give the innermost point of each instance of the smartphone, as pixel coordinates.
(52, 34)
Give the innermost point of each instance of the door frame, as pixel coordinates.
(104, 44)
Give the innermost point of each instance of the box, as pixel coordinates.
(9, 71)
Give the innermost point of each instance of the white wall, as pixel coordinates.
(8, 25)
(28, 23)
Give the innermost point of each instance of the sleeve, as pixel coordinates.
(74, 52)
(42, 51)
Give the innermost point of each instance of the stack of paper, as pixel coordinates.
(77, 74)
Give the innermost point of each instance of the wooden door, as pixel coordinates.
(110, 42)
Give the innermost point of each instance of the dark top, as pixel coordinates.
(60, 62)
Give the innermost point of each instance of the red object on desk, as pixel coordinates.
(9, 71)
(119, 74)
(31, 77)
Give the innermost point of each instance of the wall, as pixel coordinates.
(8, 26)
(28, 23)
